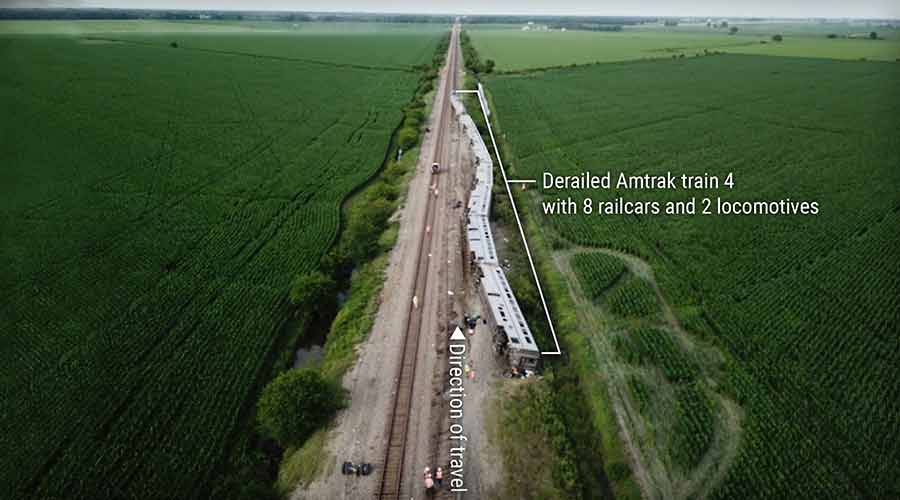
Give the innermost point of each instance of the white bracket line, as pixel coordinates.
(465, 91)
(483, 102)
(521, 181)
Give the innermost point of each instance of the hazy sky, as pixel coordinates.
(714, 8)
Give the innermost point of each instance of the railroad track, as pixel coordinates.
(398, 427)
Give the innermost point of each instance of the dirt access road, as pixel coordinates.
(397, 415)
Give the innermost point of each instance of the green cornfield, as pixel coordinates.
(159, 194)
(804, 309)
(597, 272)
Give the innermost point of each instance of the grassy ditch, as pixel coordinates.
(354, 319)
(582, 455)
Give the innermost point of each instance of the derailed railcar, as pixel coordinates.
(480, 244)
(510, 332)
(511, 335)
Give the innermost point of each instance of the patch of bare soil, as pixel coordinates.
(484, 470)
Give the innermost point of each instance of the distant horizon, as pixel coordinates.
(763, 9)
(438, 14)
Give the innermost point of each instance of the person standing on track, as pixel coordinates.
(429, 483)
(439, 477)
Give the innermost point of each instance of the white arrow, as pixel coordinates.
(457, 335)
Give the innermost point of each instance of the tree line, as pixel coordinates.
(186, 15)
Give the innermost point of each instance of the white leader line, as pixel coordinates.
(483, 102)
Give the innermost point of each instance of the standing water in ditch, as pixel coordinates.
(310, 350)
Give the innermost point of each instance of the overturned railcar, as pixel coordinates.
(511, 335)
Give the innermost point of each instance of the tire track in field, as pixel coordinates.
(648, 475)
(332, 64)
(253, 119)
(654, 472)
(704, 478)
(732, 107)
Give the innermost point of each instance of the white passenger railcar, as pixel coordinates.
(512, 337)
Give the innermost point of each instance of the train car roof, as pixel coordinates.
(505, 309)
(480, 196)
(481, 241)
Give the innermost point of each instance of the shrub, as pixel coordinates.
(618, 471)
(415, 116)
(407, 138)
(297, 403)
(777, 38)
(358, 245)
(311, 288)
